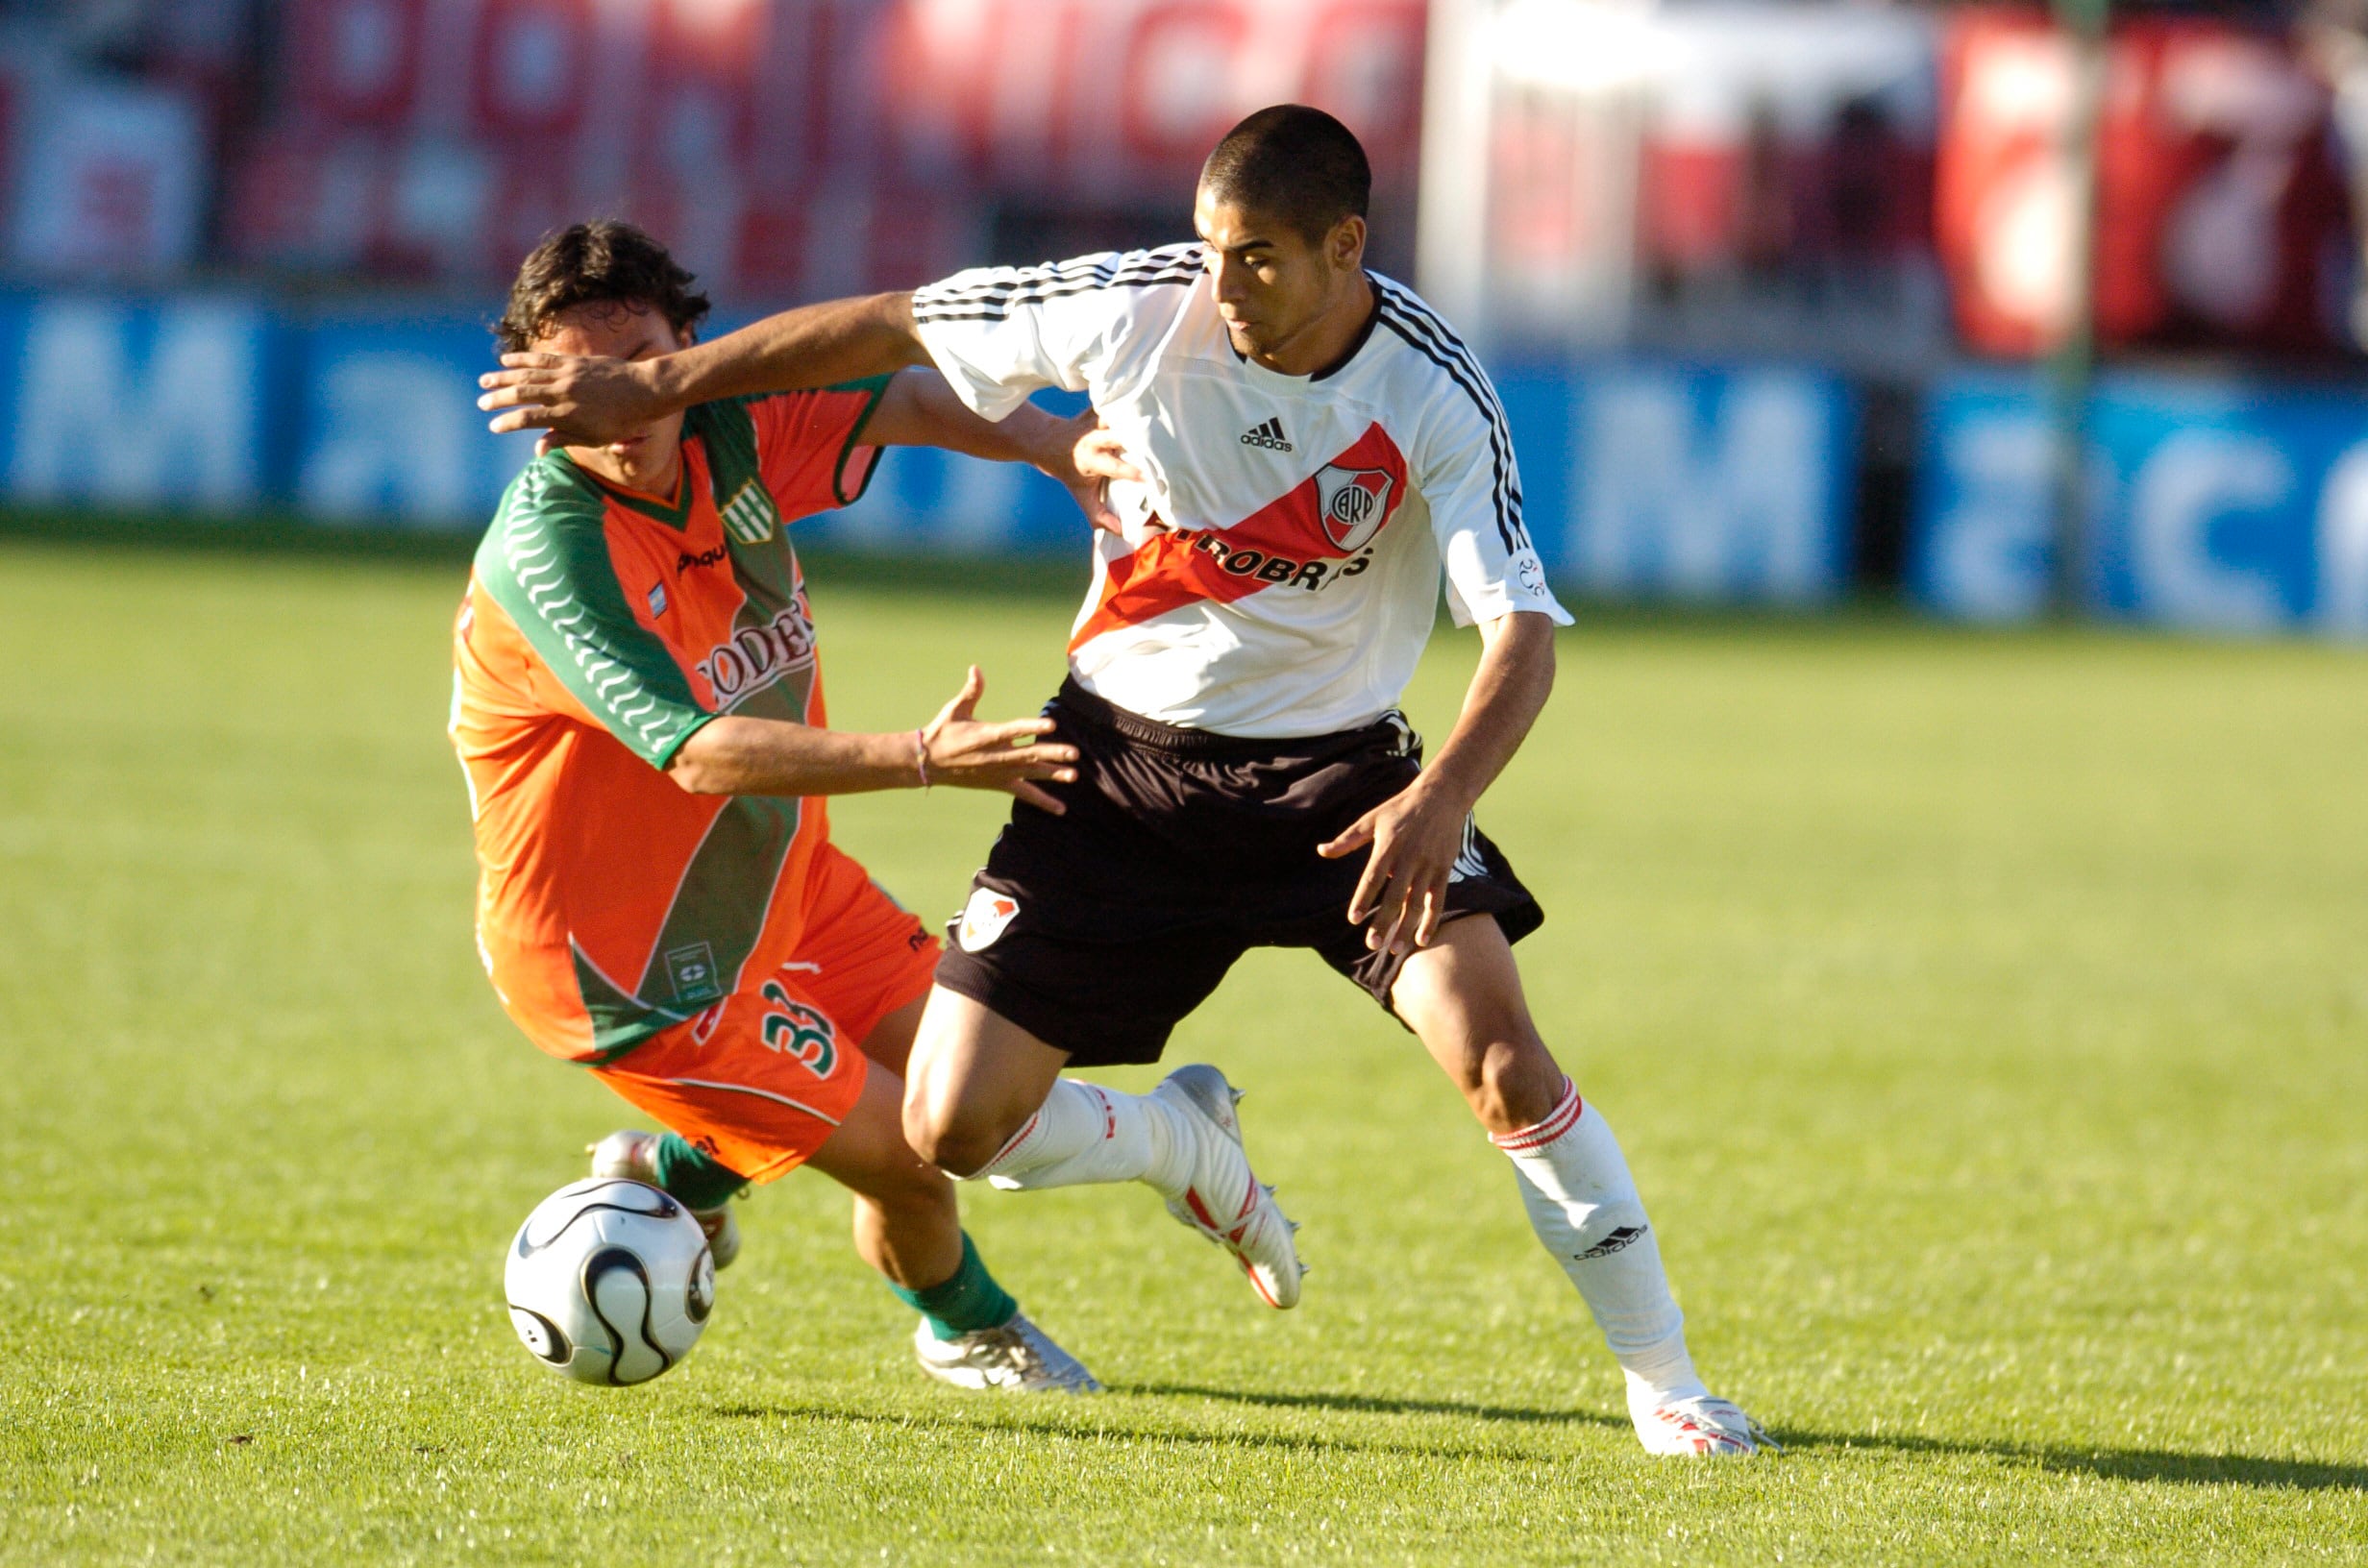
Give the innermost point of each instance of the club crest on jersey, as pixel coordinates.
(984, 918)
(1353, 502)
(748, 516)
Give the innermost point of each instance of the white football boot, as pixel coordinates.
(1703, 1423)
(633, 1156)
(1224, 1200)
(1019, 1357)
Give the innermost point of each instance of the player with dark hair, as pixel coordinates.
(1294, 164)
(637, 704)
(1314, 448)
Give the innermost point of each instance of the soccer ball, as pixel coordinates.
(609, 1280)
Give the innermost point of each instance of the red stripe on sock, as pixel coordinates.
(1011, 1143)
(1561, 1120)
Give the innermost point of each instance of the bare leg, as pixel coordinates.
(890, 1044)
(977, 1078)
(1462, 997)
(906, 1224)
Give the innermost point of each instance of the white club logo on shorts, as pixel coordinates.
(984, 918)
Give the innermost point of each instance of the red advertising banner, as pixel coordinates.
(786, 146)
(2221, 220)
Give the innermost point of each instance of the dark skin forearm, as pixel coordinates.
(1417, 834)
(737, 755)
(815, 345)
(918, 410)
(1507, 693)
(591, 401)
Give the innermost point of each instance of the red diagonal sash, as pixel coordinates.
(1171, 570)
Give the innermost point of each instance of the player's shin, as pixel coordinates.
(1084, 1133)
(1583, 1203)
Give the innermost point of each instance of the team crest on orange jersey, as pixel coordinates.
(749, 514)
(1353, 503)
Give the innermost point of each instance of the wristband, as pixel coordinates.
(921, 756)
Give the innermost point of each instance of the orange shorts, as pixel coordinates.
(761, 1079)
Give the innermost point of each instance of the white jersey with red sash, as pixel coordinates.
(1281, 566)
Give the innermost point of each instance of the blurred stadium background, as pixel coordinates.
(1980, 1011)
(1785, 298)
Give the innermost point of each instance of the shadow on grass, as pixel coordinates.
(2110, 1463)
(1078, 1421)
(1375, 1405)
(2116, 1463)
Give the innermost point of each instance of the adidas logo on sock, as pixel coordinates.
(1269, 435)
(1625, 1235)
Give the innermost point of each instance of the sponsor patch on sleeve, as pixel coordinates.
(1526, 569)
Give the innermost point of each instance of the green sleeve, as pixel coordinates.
(545, 561)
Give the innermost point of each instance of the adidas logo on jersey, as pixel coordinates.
(1269, 435)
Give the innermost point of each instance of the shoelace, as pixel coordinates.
(1019, 1348)
(1712, 1415)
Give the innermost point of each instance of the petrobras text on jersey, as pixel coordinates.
(2214, 504)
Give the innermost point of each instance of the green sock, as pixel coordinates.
(697, 1179)
(970, 1299)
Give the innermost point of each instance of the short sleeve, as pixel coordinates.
(809, 444)
(1466, 470)
(998, 333)
(545, 563)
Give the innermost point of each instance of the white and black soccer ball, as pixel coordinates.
(609, 1280)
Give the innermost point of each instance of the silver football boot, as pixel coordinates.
(1224, 1200)
(1017, 1357)
(1702, 1424)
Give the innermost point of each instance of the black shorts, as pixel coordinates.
(1097, 931)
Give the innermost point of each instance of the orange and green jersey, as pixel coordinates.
(603, 628)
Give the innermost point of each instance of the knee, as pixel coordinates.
(1512, 1084)
(915, 1189)
(954, 1139)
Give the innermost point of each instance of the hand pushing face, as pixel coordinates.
(646, 460)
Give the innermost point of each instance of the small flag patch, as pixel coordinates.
(657, 599)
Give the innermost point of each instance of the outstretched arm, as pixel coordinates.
(918, 410)
(591, 401)
(736, 754)
(1417, 834)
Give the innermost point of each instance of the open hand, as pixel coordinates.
(1402, 896)
(583, 402)
(963, 751)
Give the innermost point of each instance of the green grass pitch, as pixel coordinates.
(1986, 1017)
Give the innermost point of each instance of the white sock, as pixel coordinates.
(1583, 1203)
(1085, 1133)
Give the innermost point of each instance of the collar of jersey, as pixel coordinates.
(675, 514)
